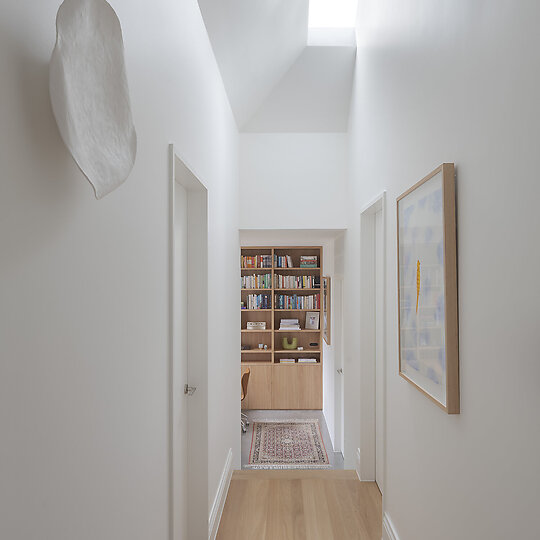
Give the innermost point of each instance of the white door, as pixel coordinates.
(379, 351)
(179, 366)
(189, 365)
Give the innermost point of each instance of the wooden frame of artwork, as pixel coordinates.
(326, 308)
(427, 287)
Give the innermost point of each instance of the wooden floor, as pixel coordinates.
(305, 504)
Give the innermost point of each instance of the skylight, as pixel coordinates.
(332, 13)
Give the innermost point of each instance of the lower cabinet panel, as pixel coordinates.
(311, 387)
(284, 387)
(297, 387)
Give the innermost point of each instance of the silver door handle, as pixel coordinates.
(189, 390)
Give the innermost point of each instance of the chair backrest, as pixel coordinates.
(244, 382)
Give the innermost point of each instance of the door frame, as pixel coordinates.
(338, 314)
(367, 454)
(196, 483)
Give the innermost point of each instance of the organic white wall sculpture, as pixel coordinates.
(89, 93)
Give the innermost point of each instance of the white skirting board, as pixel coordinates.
(388, 530)
(221, 495)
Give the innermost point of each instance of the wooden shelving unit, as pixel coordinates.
(270, 386)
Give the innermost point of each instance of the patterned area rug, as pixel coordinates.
(291, 444)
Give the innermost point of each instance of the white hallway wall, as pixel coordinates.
(293, 180)
(458, 81)
(84, 283)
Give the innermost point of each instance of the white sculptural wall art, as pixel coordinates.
(90, 95)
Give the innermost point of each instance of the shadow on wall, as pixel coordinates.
(39, 176)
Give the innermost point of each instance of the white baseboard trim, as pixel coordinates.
(219, 502)
(389, 531)
(357, 464)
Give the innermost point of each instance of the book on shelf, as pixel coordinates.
(258, 301)
(287, 361)
(256, 261)
(296, 282)
(257, 281)
(295, 301)
(308, 261)
(307, 360)
(283, 261)
(289, 324)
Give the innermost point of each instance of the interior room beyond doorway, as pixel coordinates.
(291, 339)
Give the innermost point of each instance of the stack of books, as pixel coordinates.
(257, 281)
(283, 261)
(308, 261)
(307, 360)
(295, 301)
(287, 361)
(289, 324)
(256, 261)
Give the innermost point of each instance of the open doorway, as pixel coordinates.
(189, 352)
(373, 339)
(290, 354)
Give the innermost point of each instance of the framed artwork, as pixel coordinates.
(427, 287)
(312, 320)
(326, 308)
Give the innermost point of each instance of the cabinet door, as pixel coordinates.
(297, 387)
(259, 392)
(285, 391)
(310, 387)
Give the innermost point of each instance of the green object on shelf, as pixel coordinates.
(290, 346)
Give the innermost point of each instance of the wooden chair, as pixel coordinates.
(244, 387)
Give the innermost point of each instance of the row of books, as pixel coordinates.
(299, 360)
(297, 282)
(289, 324)
(259, 301)
(256, 261)
(283, 261)
(295, 301)
(259, 281)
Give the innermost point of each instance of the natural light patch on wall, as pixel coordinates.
(332, 13)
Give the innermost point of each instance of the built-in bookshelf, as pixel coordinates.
(277, 284)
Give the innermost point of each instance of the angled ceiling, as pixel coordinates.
(255, 43)
(313, 96)
(277, 78)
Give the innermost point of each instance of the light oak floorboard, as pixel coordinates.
(301, 505)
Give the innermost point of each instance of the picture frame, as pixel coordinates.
(326, 308)
(312, 320)
(427, 288)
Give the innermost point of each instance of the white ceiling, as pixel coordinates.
(255, 42)
(314, 95)
(275, 81)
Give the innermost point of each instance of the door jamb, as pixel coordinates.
(367, 452)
